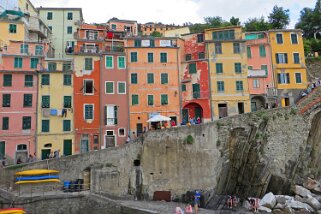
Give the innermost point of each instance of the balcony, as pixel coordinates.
(17, 51)
(90, 37)
(256, 73)
(271, 92)
(114, 48)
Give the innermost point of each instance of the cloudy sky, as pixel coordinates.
(177, 11)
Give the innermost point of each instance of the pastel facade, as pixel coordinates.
(153, 66)
(63, 23)
(260, 72)
(55, 108)
(195, 81)
(148, 28)
(228, 71)
(127, 27)
(288, 62)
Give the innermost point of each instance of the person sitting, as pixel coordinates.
(235, 201)
(229, 202)
(173, 123)
(19, 161)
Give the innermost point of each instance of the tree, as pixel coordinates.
(235, 21)
(156, 34)
(216, 21)
(279, 18)
(257, 24)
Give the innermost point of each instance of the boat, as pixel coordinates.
(37, 181)
(32, 178)
(12, 211)
(37, 172)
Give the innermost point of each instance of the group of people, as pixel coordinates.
(232, 201)
(254, 204)
(191, 121)
(189, 209)
(54, 154)
(310, 88)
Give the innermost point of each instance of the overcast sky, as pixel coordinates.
(177, 11)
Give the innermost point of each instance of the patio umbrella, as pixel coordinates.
(158, 118)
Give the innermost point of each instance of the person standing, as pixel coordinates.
(4, 161)
(197, 200)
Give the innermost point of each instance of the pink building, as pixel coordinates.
(260, 73)
(127, 27)
(18, 97)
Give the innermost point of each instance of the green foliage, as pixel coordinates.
(279, 18)
(219, 125)
(235, 21)
(265, 118)
(218, 143)
(189, 139)
(258, 136)
(156, 34)
(256, 24)
(293, 111)
(212, 22)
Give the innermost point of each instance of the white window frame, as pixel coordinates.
(283, 58)
(297, 39)
(113, 106)
(84, 111)
(256, 83)
(118, 87)
(285, 79)
(85, 87)
(300, 76)
(105, 143)
(293, 58)
(92, 61)
(160, 79)
(119, 135)
(160, 99)
(106, 87)
(153, 99)
(112, 61)
(124, 62)
(23, 150)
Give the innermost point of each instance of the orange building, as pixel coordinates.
(153, 70)
(127, 27)
(150, 27)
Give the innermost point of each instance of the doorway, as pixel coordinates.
(139, 129)
(286, 101)
(84, 143)
(222, 110)
(253, 107)
(2, 149)
(185, 115)
(198, 113)
(240, 107)
(45, 154)
(110, 139)
(67, 147)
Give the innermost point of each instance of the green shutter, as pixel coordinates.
(39, 50)
(239, 85)
(192, 68)
(88, 64)
(163, 57)
(264, 67)
(67, 79)
(109, 62)
(133, 78)
(164, 99)
(133, 56)
(150, 100)
(6, 100)
(26, 123)
(196, 91)
(52, 66)
(45, 126)
(67, 101)
(121, 87)
(238, 68)
(45, 101)
(66, 125)
(249, 54)
(134, 99)
(24, 49)
(5, 123)
(45, 79)
(89, 110)
(183, 87)
(150, 57)
(150, 78)
(27, 100)
(115, 115)
(219, 68)
(121, 62)
(220, 86)
(164, 78)
(7, 80)
(262, 51)
(109, 87)
(18, 62)
(34, 62)
(28, 80)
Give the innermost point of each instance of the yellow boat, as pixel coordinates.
(37, 181)
(37, 172)
(12, 211)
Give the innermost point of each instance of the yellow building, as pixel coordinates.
(55, 120)
(288, 64)
(228, 71)
(11, 30)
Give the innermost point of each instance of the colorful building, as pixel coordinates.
(195, 81)
(153, 66)
(126, 27)
(288, 64)
(150, 27)
(55, 108)
(260, 73)
(228, 71)
(87, 61)
(63, 23)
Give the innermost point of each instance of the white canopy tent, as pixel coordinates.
(158, 118)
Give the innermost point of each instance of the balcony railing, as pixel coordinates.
(256, 73)
(271, 92)
(114, 48)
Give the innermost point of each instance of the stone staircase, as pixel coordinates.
(310, 101)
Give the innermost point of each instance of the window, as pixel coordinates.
(164, 78)
(89, 111)
(298, 78)
(262, 51)
(69, 29)
(109, 62)
(66, 66)
(26, 122)
(150, 99)
(294, 38)
(121, 132)
(133, 56)
(67, 102)
(12, 28)
(7, 80)
(45, 79)
(21, 147)
(201, 55)
(66, 126)
(150, 78)
(109, 87)
(163, 57)
(135, 99)
(111, 115)
(152, 43)
(238, 68)
(27, 100)
(223, 35)
(52, 66)
(49, 16)
(188, 57)
(164, 99)
(250, 67)
(121, 62)
(6, 100)
(256, 83)
(50, 27)
(133, 78)
(34, 63)
(5, 123)
(121, 88)
(239, 85)
(45, 101)
(279, 38)
(192, 68)
(45, 125)
(283, 78)
(67, 79)
(236, 48)
(220, 86)
(69, 16)
(196, 91)
(296, 58)
(88, 87)
(281, 58)
(113, 27)
(18, 62)
(264, 67)
(39, 50)
(150, 57)
(24, 48)
(249, 53)
(200, 38)
(28, 80)
(218, 48)
(88, 64)
(183, 87)
(138, 43)
(219, 68)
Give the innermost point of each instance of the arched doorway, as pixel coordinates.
(257, 103)
(192, 110)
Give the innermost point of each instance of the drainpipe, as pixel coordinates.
(100, 102)
(210, 80)
(37, 114)
(179, 86)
